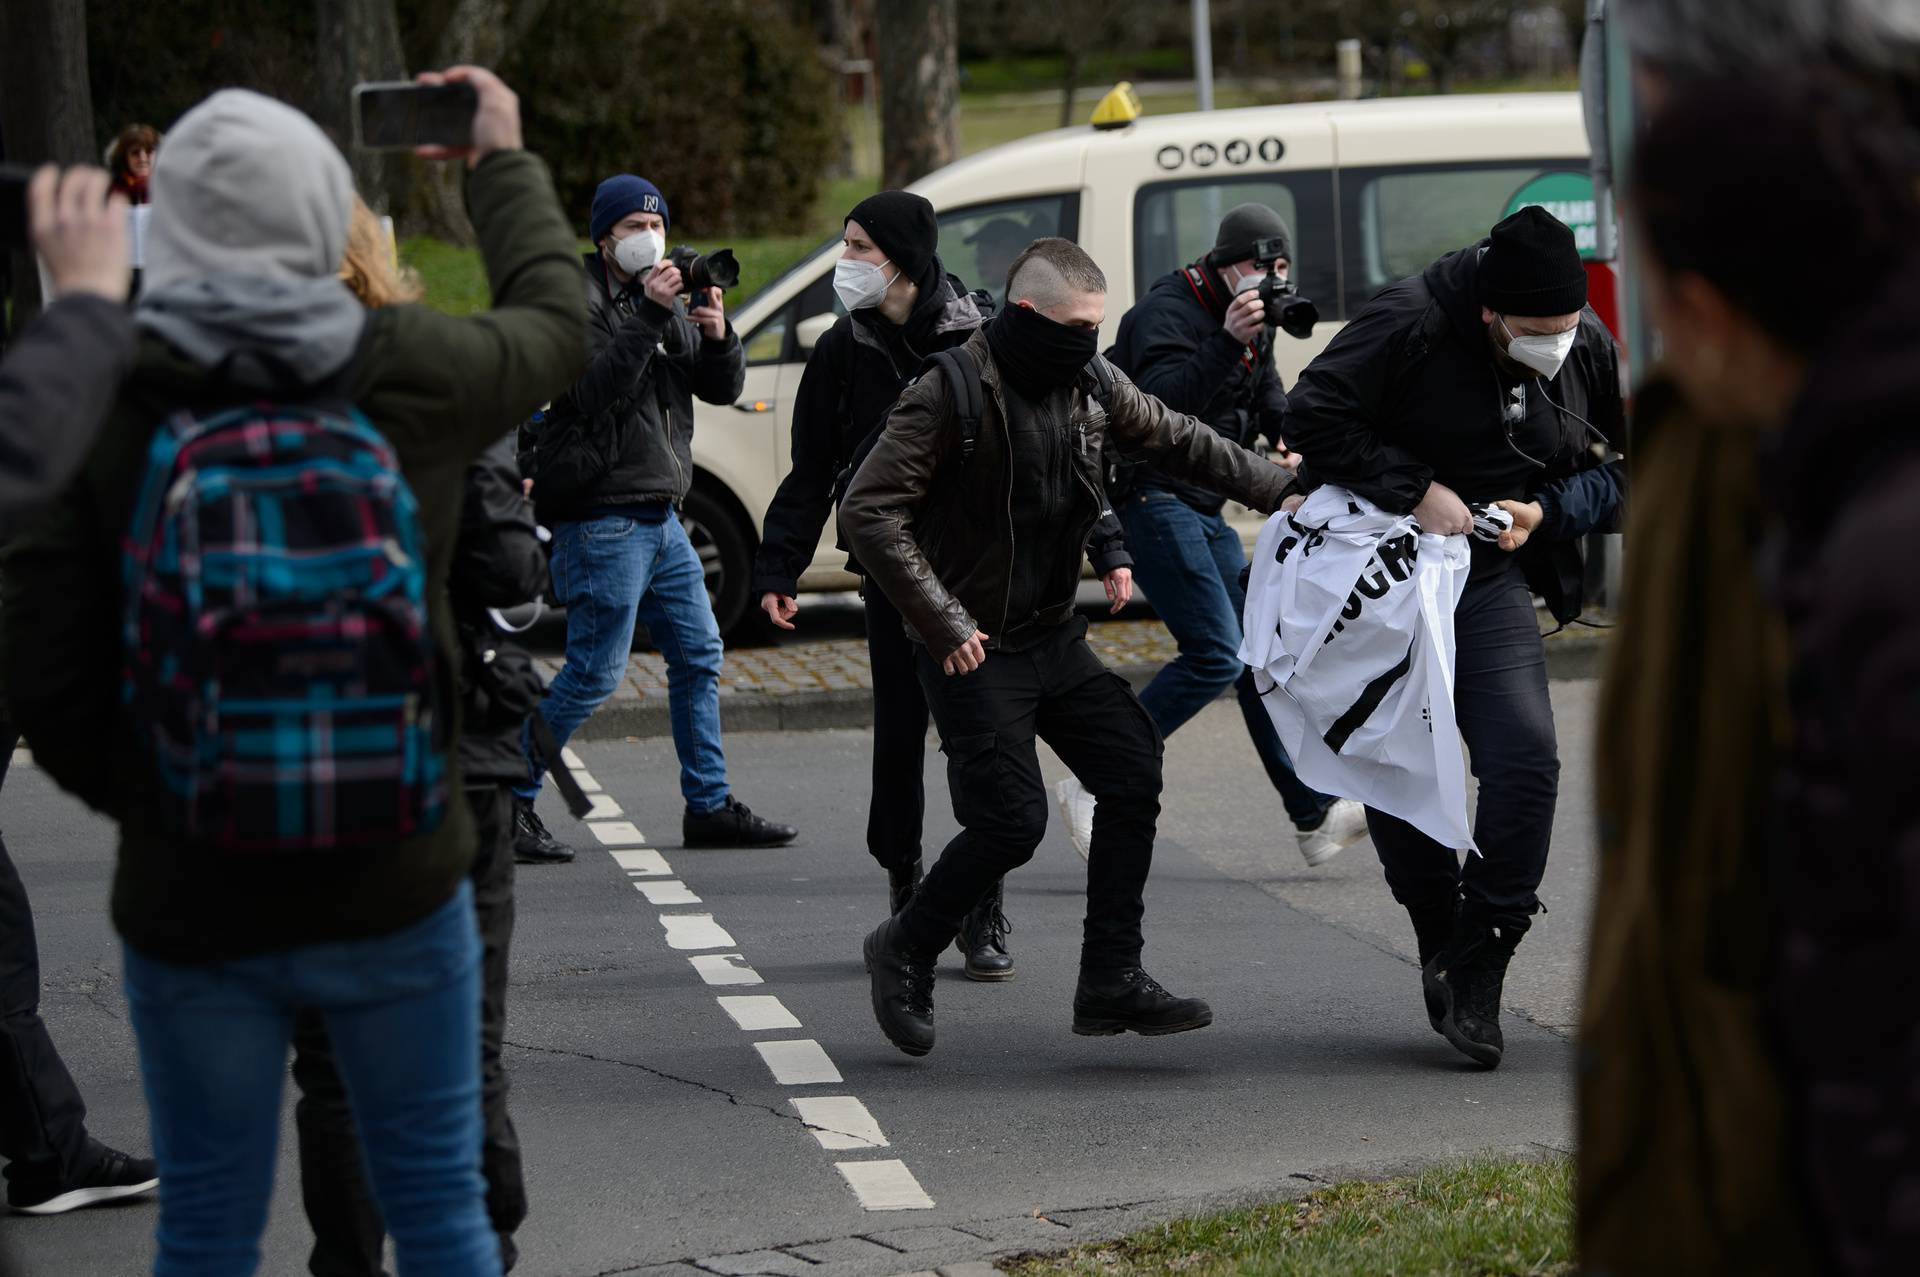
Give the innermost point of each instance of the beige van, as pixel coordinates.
(1373, 191)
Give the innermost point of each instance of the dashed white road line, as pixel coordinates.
(725, 968)
(695, 931)
(670, 892)
(617, 833)
(840, 1122)
(802, 1062)
(887, 1185)
(837, 1122)
(759, 1011)
(643, 860)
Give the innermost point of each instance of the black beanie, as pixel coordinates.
(1241, 227)
(903, 227)
(1531, 267)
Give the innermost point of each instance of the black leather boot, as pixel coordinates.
(733, 825)
(983, 938)
(902, 988)
(1467, 977)
(902, 882)
(1432, 928)
(1128, 1000)
(532, 843)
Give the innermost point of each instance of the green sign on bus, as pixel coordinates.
(1569, 197)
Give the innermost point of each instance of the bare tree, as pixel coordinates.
(46, 104)
(359, 40)
(1445, 30)
(919, 70)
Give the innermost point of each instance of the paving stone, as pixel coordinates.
(845, 1250)
(925, 1238)
(1019, 1229)
(773, 1262)
(978, 1268)
(666, 1270)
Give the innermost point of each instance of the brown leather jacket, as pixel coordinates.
(938, 538)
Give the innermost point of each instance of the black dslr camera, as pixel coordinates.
(1287, 310)
(717, 269)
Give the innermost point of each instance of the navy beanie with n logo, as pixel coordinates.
(620, 196)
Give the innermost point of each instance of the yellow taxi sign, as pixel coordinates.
(1119, 108)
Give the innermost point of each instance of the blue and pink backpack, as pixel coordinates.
(278, 662)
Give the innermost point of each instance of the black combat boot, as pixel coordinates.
(1127, 999)
(733, 825)
(902, 988)
(902, 882)
(983, 938)
(1467, 977)
(532, 843)
(1432, 928)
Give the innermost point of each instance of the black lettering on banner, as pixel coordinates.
(1397, 556)
(1285, 548)
(1351, 611)
(1370, 697)
(1374, 586)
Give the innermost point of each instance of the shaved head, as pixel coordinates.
(1053, 272)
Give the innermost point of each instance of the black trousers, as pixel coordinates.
(1059, 692)
(898, 806)
(1506, 719)
(43, 1122)
(347, 1230)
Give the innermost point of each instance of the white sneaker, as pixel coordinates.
(1076, 808)
(1345, 823)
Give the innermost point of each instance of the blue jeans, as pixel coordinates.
(1189, 564)
(403, 1013)
(610, 571)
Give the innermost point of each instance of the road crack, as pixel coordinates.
(695, 1083)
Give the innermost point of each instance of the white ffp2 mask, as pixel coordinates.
(639, 251)
(859, 284)
(1543, 353)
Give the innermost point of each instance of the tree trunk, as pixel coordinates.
(919, 87)
(46, 105)
(476, 34)
(1076, 61)
(359, 40)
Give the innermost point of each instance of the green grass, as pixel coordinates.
(1480, 1219)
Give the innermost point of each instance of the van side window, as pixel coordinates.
(1399, 220)
(979, 242)
(1174, 224)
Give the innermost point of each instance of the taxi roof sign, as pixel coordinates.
(1119, 108)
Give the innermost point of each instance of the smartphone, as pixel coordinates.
(13, 205)
(400, 115)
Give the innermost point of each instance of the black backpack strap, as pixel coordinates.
(969, 398)
(1098, 379)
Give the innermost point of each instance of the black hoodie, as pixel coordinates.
(853, 376)
(1409, 393)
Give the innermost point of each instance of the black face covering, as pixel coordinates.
(1036, 354)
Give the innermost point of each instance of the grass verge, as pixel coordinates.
(1488, 1218)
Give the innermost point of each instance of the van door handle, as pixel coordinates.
(755, 405)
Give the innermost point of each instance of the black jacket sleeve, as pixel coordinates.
(56, 385)
(1181, 367)
(498, 560)
(1107, 545)
(800, 507)
(1270, 404)
(1336, 410)
(719, 368)
(620, 353)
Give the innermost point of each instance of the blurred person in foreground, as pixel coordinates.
(1486, 379)
(223, 950)
(56, 384)
(1750, 1036)
(498, 563)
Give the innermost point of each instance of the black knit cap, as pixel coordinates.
(903, 227)
(1242, 227)
(1531, 267)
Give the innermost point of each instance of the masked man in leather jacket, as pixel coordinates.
(978, 544)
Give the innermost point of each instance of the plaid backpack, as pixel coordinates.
(277, 659)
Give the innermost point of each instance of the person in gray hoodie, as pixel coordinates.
(250, 216)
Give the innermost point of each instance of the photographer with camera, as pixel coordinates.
(1201, 341)
(611, 461)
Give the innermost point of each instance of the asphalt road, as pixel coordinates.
(657, 1136)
